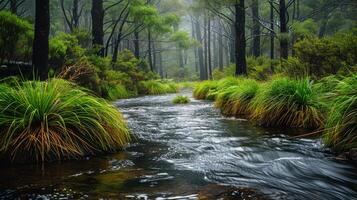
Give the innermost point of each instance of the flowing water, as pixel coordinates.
(190, 152)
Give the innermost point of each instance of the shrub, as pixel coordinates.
(327, 56)
(16, 37)
(181, 100)
(82, 73)
(64, 49)
(234, 100)
(259, 68)
(286, 102)
(341, 127)
(55, 120)
(155, 87)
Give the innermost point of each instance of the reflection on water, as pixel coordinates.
(191, 152)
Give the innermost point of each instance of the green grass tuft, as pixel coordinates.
(234, 100)
(56, 120)
(181, 100)
(285, 102)
(114, 92)
(155, 87)
(341, 127)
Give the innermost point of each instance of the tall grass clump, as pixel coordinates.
(154, 87)
(181, 100)
(285, 102)
(113, 92)
(45, 121)
(341, 126)
(234, 100)
(203, 89)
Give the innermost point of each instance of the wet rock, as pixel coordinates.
(349, 155)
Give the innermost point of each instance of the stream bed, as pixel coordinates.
(190, 152)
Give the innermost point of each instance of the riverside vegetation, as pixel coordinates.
(65, 117)
(312, 91)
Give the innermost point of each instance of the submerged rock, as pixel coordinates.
(349, 155)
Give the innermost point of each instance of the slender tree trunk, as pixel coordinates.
(241, 63)
(116, 48)
(13, 6)
(324, 21)
(215, 50)
(256, 28)
(205, 42)
(220, 46)
(284, 43)
(75, 14)
(136, 44)
(159, 57)
(209, 53)
(195, 49)
(150, 50)
(40, 43)
(272, 48)
(97, 25)
(154, 56)
(179, 50)
(232, 45)
(200, 50)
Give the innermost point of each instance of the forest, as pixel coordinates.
(178, 99)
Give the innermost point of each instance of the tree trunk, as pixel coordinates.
(97, 25)
(150, 51)
(205, 44)
(209, 53)
(154, 56)
(272, 36)
(195, 49)
(136, 44)
(256, 28)
(284, 43)
(40, 43)
(232, 45)
(200, 50)
(241, 63)
(75, 14)
(13, 6)
(220, 46)
(159, 57)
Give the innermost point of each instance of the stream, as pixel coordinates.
(191, 152)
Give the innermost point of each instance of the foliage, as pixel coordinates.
(285, 102)
(202, 89)
(259, 68)
(181, 100)
(341, 127)
(16, 37)
(114, 92)
(155, 87)
(327, 56)
(293, 67)
(82, 73)
(303, 29)
(234, 100)
(56, 120)
(64, 49)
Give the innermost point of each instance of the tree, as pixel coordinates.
(256, 28)
(284, 43)
(241, 63)
(40, 43)
(203, 72)
(97, 25)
